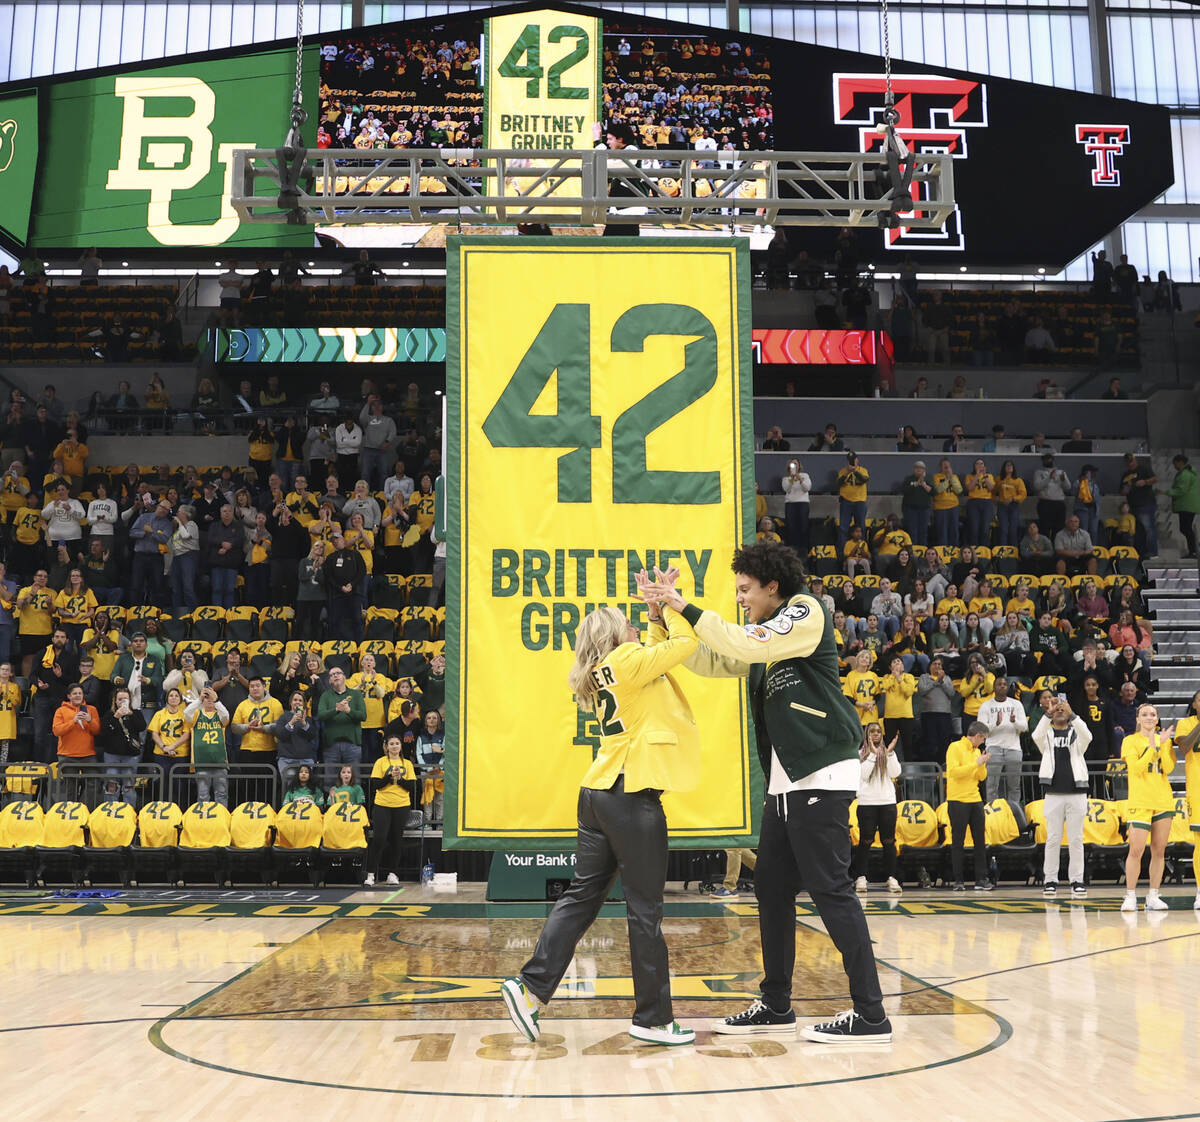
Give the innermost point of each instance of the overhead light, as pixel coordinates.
(124, 264)
(437, 393)
(405, 263)
(1041, 268)
(312, 264)
(217, 264)
(962, 268)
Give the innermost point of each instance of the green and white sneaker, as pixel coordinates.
(672, 1035)
(522, 1007)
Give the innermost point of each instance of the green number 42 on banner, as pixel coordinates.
(529, 46)
(564, 344)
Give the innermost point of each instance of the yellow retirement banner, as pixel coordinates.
(542, 88)
(599, 422)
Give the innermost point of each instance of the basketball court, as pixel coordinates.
(349, 1005)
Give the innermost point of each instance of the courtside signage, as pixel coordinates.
(599, 422)
(328, 344)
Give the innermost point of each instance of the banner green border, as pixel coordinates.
(455, 546)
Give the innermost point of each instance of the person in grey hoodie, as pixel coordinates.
(378, 452)
(937, 694)
(150, 530)
(1051, 486)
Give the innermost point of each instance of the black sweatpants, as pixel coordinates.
(617, 832)
(804, 843)
(962, 816)
(872, 820)
(387, 833)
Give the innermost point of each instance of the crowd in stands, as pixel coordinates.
(197, 617)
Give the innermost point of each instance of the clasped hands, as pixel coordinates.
(660, 589)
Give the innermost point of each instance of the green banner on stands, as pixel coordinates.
(329, 344)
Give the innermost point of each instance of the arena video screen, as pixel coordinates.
(421, 86)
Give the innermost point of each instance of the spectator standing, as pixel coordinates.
(1010, 494)
(322, 447)
(901, 327)
(347, 441)
(76, 725)
(185, 553)
(797, 484)
(378, 443)
(938, 696)
(64, 518)
(1051, 486)
(391, 784)
(225, 552)
(142, 672)
(981, 506)
(1063, 738)
(120, 742)
(297, 737)
(879, 768)
(966, 765)
(852, 491)
(1087, 502)
(1005, 719)
(916, 504)
(1102, 276)
(150, 536)
(208, 719)
(936, 320)
(1125, 277)
(341, 712)
(254, 721)
(1137, 485)
(344, 573)
(983, 342)
(1185, 499)
(1149, 756)
(947, 488)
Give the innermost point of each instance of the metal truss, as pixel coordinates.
(492, 187)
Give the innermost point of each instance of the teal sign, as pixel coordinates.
(329, 344)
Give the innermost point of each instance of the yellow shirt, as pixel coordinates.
(963, 773)
(1126, 524)
(422, 507)
(74, 608)
(852, 483)
(1191, 764)
(982, 486)
(373, 692)
(74, 459)
(171, 726)
(13, 492)
(888, 543)
(28, 525)
(395, 794)
(859, 686)
(304, 507)
(974, 696)
(946, 489)
(1149, 785)
(897, 696)
(955, 607)
(987, 605)
(34, 617)
(1010, 490)
(364, 541)
(645, 722)
(104, 661)
(10, 703)
(1024, 607)
(268, 710)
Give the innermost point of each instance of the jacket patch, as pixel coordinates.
(783, 623)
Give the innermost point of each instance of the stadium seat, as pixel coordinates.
(22, 825)
(391, 592)
(919, 840)
(173, 628)
(299, 827)
(111, 830)
(417, 624)
(159, 824)
(241, 625)
(202, 651)
(264, 656)
(207, 623)
(64, 835)
(1017, 851)
(276, 623)
(252, 835)
(203, 840)
(381, 623)
(340, 652)
(344, 839)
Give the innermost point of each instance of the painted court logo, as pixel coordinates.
(8, 147)
(168, 154)
(1104, 143)
(936, 114)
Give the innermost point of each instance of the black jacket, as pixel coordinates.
(342, 567)
(232, 558)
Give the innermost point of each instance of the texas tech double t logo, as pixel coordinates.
(1104, 143)
(935, 114)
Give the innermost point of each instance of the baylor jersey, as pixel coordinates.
(158, 824)
(205, 826)
(112, 825)
(344, 826)
(21, 824)
(251, 825)
(916, 824)
(208, 739)
(299, 825)
(64, 825)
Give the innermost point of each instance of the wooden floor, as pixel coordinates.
(328, 1006)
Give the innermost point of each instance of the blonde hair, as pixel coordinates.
(600, 633)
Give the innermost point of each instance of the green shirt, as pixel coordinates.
(336, 725)
(208, 739)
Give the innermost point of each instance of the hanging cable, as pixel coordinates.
(292, 156)
(896, 179)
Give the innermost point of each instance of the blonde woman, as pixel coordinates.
(879, 768)
(1149, 756)
(310, 594)
(648, 744)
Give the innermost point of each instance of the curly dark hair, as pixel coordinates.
(771, 561)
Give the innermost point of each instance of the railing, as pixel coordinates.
(662, 187)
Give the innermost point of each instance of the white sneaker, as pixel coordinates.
(522, 1007)
(893, 886)
(1155, 903)
(1196, 905)
(392, 878)
(860, 885)
(369, 880)
(672, 1035)
(1129, 904)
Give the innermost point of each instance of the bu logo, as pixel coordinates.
(164, 154)
(1104, 143)
(8, 147)
(935, 114)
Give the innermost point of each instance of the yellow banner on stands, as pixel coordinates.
(599, 422)
(543, 88)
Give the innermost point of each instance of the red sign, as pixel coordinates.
(776, 346)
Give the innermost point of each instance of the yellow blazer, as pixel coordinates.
(646, 723)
